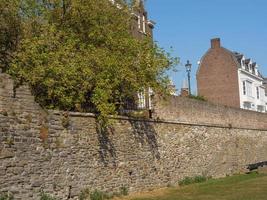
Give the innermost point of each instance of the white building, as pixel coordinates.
(228, 78)
(251, 88)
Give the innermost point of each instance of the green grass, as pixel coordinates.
(239, 187)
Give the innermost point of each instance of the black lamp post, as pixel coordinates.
(188, 66)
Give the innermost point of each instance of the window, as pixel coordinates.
(244, 87)
(246, 67)
(260, 108)
(247, 105)
(144, 23)
(249, 67)
(249, 88)
(258, 92)
(253, 70)
(262, 93)
(139, 22)
(141, 100)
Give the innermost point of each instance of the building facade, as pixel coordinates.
(265, 85)
(141, 27)
(229, 78)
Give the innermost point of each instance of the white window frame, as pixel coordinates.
(248, 88)
(258, 92)
(244, 87)
(144, 24)
(141, 100)
(139, 22)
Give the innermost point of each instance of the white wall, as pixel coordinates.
(251, 97)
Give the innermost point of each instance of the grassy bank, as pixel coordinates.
(239, 187)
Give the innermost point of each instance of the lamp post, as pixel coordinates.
(188, 66)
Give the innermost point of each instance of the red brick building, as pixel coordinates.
(141, 26)
(228, 78)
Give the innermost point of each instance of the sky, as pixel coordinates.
(188, 25)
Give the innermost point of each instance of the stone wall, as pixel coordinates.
(63, 153)
(186, 110)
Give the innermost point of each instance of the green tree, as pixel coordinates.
(10, 30)
(80, 54)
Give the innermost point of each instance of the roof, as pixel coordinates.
(247, 61)
(237, 57)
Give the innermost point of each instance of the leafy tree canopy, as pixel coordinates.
(80, 54)
(10, 31)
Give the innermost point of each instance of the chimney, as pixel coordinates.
(184, 92)
(184, 89)
(215, 43)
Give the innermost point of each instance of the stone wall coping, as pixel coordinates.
(74, 114)
(119, 117)
(216, 105)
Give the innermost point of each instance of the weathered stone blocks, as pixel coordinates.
(39, 153)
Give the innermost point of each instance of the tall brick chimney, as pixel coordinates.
(215, 43)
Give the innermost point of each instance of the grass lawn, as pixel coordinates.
(239, 187)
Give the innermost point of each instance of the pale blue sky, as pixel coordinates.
(188, 26)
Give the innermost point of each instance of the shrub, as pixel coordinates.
(124, 191)
(186, 181)
(6, 196)
(99, 195)
(199, 179)
(84, 194)
(200, 98)
(191, 180)
(45, 196)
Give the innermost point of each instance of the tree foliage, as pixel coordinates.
(81, 55)
(10, 30)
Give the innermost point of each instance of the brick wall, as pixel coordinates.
(64, 153)
(217, 76)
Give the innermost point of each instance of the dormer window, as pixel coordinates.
(246, 67)
(253, 70)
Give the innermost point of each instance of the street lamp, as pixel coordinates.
(188, 66)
